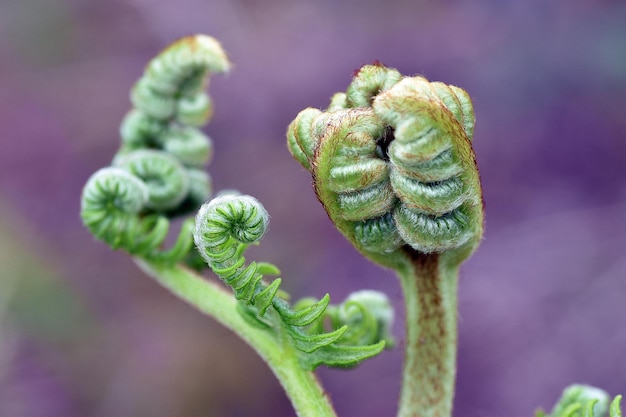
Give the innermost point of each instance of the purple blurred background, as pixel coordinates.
(542, 303)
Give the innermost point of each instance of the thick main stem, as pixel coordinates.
(302, 387)
(430, 293)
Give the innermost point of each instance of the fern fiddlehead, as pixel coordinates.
(157, 168)
(368, 314)
(111, 202)
(225, 226)
(392, 164)
(399, 165)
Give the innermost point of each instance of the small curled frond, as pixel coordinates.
(182, 66)
(225, 227)
(113, 207)
(368, 314)
(170, 103)
(173, 83)
(393, 165)
(158, 166)
(584, 401)
(111, 201)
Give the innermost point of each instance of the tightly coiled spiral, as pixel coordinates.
(392, 162)
(115, 207)
(159, 165)
(225, 226)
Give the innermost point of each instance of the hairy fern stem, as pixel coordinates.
(430, 290)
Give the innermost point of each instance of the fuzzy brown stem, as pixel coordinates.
(430, 292)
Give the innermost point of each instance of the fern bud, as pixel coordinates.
(369, 316)
(111, 200)
(392, 163)
(241, 218)
(182, 66)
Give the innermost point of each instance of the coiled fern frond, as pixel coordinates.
(584, 401)
(225, 227)
(393, 164)
(157, 172)
(114, 208)
(367, 313)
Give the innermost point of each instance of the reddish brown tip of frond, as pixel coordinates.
(376, 63)
(191, 41)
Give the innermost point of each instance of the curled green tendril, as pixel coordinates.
(115, 208)
(111, 201)
(393, 163)
(225, 226)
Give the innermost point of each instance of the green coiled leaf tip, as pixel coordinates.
(157, 172)
(111, 200)
(225, 226)
(115, 207)
(368, 314)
